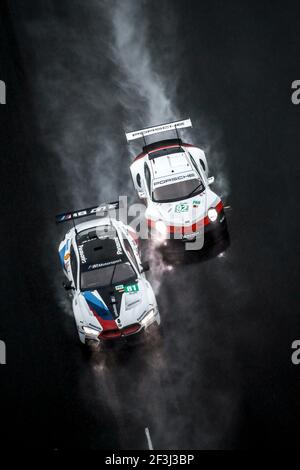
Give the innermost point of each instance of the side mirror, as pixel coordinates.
(211, 180)
(142, 195)
(145, 266)
(68, 285)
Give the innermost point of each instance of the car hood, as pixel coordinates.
(185, 212)
(117, 306)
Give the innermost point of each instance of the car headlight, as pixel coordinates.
(212, 214)
(148, 317)
(161, 227)
(91, 332)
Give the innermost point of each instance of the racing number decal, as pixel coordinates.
(132, 288)
(182, 207)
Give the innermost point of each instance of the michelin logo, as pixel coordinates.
(81, 254)
(2, 353)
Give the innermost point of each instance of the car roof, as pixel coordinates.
(170, 163)
(97, 249)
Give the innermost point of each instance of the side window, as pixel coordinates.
(74, 265)
(138, 180)
(194, 163)
(202, 164)
(148, 176)
(130, 252)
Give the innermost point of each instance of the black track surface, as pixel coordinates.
(222, 375)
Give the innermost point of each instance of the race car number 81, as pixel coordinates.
(132, 288)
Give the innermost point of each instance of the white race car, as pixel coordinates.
(172, 177)
(111, 296)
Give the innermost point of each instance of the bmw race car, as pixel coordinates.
(172, 177)
(111, 297)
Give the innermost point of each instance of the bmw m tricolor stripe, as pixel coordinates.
(96, 303)
(100, 310)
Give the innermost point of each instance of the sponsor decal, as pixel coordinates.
(67, 256)
(120, 288)
(157, 129)
(81, 254)
(118, 246)
(174, 179)
(132, 288)
(196, 203)
(86, 212)
(103, 265)
(182, 207)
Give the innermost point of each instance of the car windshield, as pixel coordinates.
(178, 191)
(107, 275)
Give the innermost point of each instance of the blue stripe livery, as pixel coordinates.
(62, 252)
(97, 305)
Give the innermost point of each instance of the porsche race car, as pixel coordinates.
(172, 177)
(111, 297)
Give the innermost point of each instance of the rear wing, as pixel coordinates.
(95, 210)
(170, 126)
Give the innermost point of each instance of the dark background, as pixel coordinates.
(223, 378)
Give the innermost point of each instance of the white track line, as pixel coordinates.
(150, 445)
